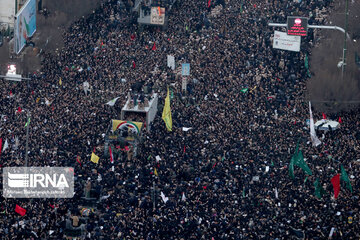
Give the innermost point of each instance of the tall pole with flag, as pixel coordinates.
(166, 114)
(314, 139)
(27, 138)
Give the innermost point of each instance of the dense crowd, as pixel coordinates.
(207, 173)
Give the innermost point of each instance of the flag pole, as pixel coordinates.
(27, 139)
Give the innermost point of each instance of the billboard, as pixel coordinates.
(286, 42)
(25, 25)
(157, 16)
(297, 26)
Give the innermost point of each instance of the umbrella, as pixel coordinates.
(325, 125)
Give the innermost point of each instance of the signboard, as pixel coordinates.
(157, 16)
(286, 42)
(185, 69)
(171, 62)
(25, 25)
(125, 125)
(297, 26)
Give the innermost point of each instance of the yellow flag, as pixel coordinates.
(94, 158)
(60, 82)
(156, 173)
(166, 114)
(37, 100)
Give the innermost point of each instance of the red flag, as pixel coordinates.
(52, 206)
(20, 210)
(340, 120)
(19, 110)
(154, 47)
(184, 149)
(78, 160)
(94, 150)
(209, 3)
(324, 116)
(111, 155)
(11, 94)
(134, 65)
(214, 165)
(336, 184)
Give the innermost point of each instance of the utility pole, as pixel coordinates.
(345, 35)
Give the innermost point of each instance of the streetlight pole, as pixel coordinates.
(346, 28)
(329, 27)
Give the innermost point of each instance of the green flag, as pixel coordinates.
(345, 178)
(244, 90)
(319, 191)
(28, 122)
(306, 62)
(306, 179)
(171, 94)
(299, 161)
(291, 168)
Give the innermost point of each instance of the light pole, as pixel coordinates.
(28, 114)
(345, 33)
(331, 28)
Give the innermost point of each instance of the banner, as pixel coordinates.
(25, 25)
(185, 69)
(134, 126)
(171, 62)
(166, 114)
(157, 16)
(286, 42)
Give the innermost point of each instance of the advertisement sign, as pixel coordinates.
(185, 69)
(286, 42)
(157, 16)
(25, 25)
(297, 26)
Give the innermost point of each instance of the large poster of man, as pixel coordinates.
(25, 25)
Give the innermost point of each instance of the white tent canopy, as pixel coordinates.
(325, 125)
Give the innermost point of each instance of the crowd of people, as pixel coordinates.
(226, 176)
